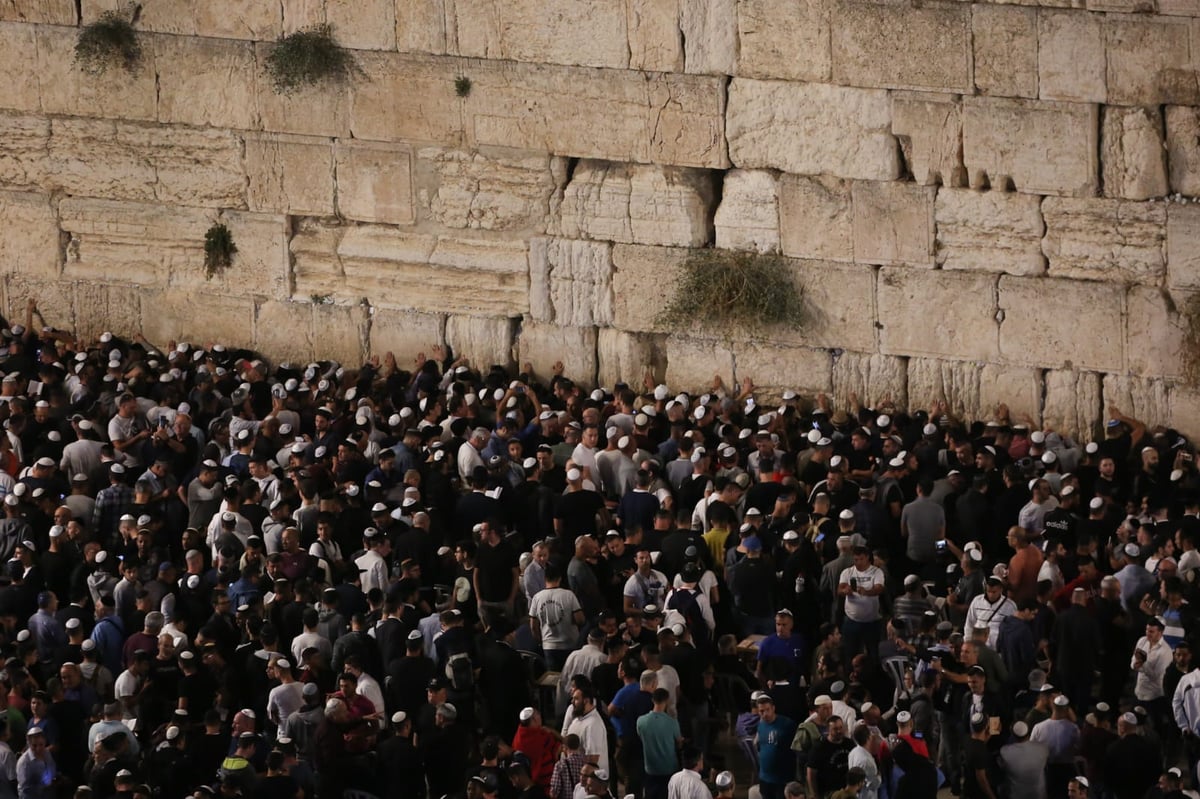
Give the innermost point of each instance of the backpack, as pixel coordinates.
(684, 602)
(460, 672)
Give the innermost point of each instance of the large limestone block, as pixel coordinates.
(974, 390)
(339, 332)
(958, 320)
(1155, 335)
(1105, 239)
(902, 47)
(570, 282)
(171, 315)
(1183, 246)
(502, 190)
(1043, 318)
(544, 344)
(1005, 39)
(206, 82)
(618, 115)
(133, 161)
(874, 378)
(260, 267)
(483, 340)
(811, 129)
(776, 369)
(989, 231)
(655, 43)
(424, 26)
(18, 49)
(55, 299)
(1185, 409)
(1072, 403)
(235, 19)
(29, 237)
(1150, 61)
(1183, 149)
(405, 333)
(837, 304)
(1019, 389)
(374, 182)
(1038, 147)
(589, 34)
(47, 12)
(710, 36)
(692, 363)
(784, 39)
(1133, 157)
(23, 162)
(929, 129)
(622, 356)
(636, 204)
(363, 24)
(66, 89)
(285, 331)
(816, 218)
(290, 174)
(320, 110)
(1142, 398)
(642, 277)
(103, 306)
(893, 223)
(1071, 56)
(748, 217)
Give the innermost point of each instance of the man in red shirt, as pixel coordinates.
(358, 705)
(539, 744)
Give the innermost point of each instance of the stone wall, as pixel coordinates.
(980, 202)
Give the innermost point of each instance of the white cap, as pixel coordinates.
(814, 436)
(526, 714)
(903, 717)
(884, 421)
(1067, 490)
(835, 462)
(929, 430)
(573, 474)
(1092, 448)
(1037, 437)
(622, 442)
(846, 515)
(724, 780)
(1061, 700)
(1176, 475)
(1049, 457)
(1129, 718)
(822, 700)
(1020, 729)
(1097, 503)
(661, 392)
(399, 717)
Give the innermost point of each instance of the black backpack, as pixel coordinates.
(684, 600)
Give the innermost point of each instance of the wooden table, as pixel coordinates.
(747, 648)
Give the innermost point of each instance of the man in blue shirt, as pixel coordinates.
(660, 737)
(776, 763)
(632, 702)
(782, 645)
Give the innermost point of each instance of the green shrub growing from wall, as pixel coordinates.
(219, 250)
(308, 57)
(110, 41)
(726, 290)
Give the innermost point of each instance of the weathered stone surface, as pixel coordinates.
(692, 363)
(206, 82)
(872, 377)
(405, 333)
(710, 36)
(23, 161)
(837, 306)
(785, 39)
(285, 330)
(570, 282)
(1042, 314)
(321, 110)
(655, 44)
(1071, 56)
(1179, 8)
(1042, 148)
(989, 231)
(340, 332)
(363, 24)
(640, 272)
(290, 174)
(236, 19)
(544, 31)
(374, 182)
(55, 299)
(19, 49)
(399, 269)
(748, 217)
(131, 242)
(958, 320)
(1006, 50)
(625, 356)
(485, 341)
(1183, 246)
(775, 369)
(902, 47)
(811, 129)
(1138, 397)
(170, 315)
(1185, 409)
(1072, 402)
(1133, 157)
(101, 306)
(618, 115)
(635, 204)
(543, 344)
(893, 223)
(1183, 149)
(498, 191)
(1150, 61)
(1105, 239)
(49, 12)
(974, 390)
(929, 129)
(260, 267)
(66, 89)
(1155, 340)
(29, 239)
(422, 26)
(816, 218)
(1019, 389)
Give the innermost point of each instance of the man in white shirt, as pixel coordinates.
(861, 584)
(863, 756)
(581, 661)
(687, 783)
(587, 724)
(1150, 660)
(128, 687)
(285, 698)
(556, 616)
(373, 562)
(468, 453)
(646, 586)
(991, 607)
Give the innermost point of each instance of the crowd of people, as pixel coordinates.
(228, 578)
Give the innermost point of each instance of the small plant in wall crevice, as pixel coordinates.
(308, 57)
(110, 41)
(724, 291)
(219, 250)
(462, 86)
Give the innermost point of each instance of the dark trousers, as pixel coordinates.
(656, 786)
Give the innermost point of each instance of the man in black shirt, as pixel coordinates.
(496, 574)
(829, 760)
(979, 765)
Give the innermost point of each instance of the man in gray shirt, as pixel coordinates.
(922, 525)
(1024, 763)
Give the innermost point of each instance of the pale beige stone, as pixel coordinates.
(55, 299)
(617, 115)
(655, 44)
(816, 218)
(18, 49)
(974, 390)
(339, 332)
(570, 282)
(422, 26)
(320, 110)
(24, 159)
(405, 333)
(640, 272)
(837, 306)
(1179, 8)
(902, 47)
(1155, 335)
(206, 82)
(785, 39)
(261, 266)
(1071, 56)
(1133, 156)
(1043, 318)
(1139, 397)
(1005, 39)
(48, 12)
(1183, 246)
(170, 315)
(1072, 403)
(1122, 6)
(775, 369)
(1183, 149)
(710, 36)
(1019, 389)
(497, 190)
(635, 204)
(872, 377)
(236, 19)
(692, 363)
(29, 239)
(374, 182)
(1185, 409)
(893, 223)
(960, 316)
(484, 341)
(1150, 61)
(989, 231)
(622, 356)
(1105, 239)
(363, 24)
(589, 34)
(285, 330)
(748, 217)
(65, 89)
(103, 306)
(544, 344)
(811, 129)
(290, 174)
(1038, 147)
(929, 129)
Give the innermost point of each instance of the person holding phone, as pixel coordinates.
(860, 585)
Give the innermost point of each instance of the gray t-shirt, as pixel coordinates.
(923, 518)
(1025, 768)
(554, 608)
